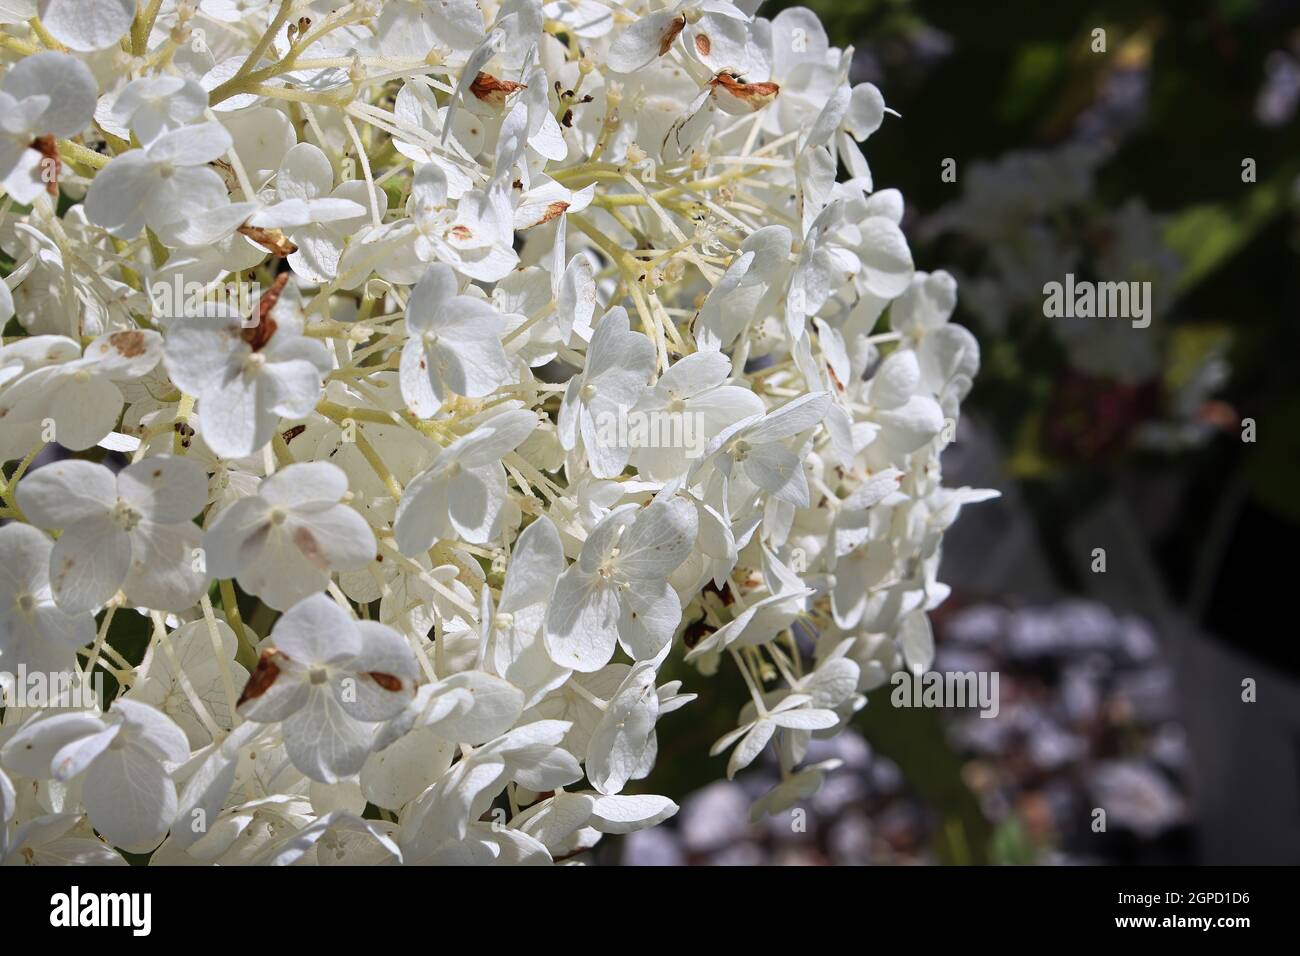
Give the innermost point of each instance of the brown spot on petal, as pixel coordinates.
(493, 91)
(703, 44)
(554, 210)
(128, 344)
(273, 240)
(263, 676)
(753, 95)
(306, 542)
(675, 27)
(386, 681)
(463, 233)
(258, 335)
(291, 433)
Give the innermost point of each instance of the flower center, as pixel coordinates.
(608, 566)
(740, 450)
(125, 517)
(278, 516)
(26, 602)
(318, 675)
(254, 362)
(588, 391)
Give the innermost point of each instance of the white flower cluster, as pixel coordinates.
(487, 352)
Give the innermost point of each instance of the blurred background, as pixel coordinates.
(1120, 689)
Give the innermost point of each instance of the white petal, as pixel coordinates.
(117, 195)
(535, 566)
(650, 612)
(85, 412)
(65, 492)
(335, 539)
(164, 489)
(324, 742)
(617, 748)
(310, 483)
(89, 562)
(129, 798)
(31, 751)
(627, 813)
(750, 746)
(162, 574)
(659, 539)
(582, 624)
(317, 631)
(86, 26)
(421, 514)
(65, 80)
(495, 705)
(640, 44)
(399, 773)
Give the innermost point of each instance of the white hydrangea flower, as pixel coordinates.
(123, 761)
(131, 531)
(328, 681)
(246, 377)
(79, 393)
(154, 105)
(454, 344)
(463, 491)
(167, 186)
(617, 591)
(282, 542)
(508, 364)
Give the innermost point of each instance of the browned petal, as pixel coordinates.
(263, 676)
(703, 44)
(258, 335)
(670, 33)
(553, 210)
(755, 95)
(273, 240)
(492, 90)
